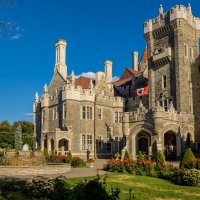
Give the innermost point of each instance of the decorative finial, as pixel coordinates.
(36, 97)
(45, 88)
(91, 84)
(189, 8)
(72, 75)
(161, 9)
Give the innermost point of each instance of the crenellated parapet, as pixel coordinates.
(70, 92)
(176, 12)
(110, 100)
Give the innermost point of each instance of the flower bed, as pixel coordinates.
(163, 170)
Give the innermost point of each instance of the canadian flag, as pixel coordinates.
(141, 91)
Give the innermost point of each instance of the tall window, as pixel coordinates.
(100, 142)
(118, 117)
(86, 112)
(186, 50)
(64, 111)
(43, 115)
(86, 142)
(55, 114)
(164, 81)
(109, 132)
(100, 113)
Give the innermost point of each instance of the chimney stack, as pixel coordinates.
(61, 57)
(108, 71)
(135, 60)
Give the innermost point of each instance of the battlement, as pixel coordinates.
(176, 12)
(108, 98)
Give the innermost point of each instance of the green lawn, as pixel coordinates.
(145, 188)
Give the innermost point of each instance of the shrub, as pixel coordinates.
(46, 154)
(39, 187)
(140, 156)
(197, 163)
(190, 177)
(187, 158)
(160, 158)
(126, 155)
(78, 162)
(165, 171)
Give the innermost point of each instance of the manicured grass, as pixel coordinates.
(145, 188)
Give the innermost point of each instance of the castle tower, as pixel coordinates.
(61, 57)
(172, 44)
(108, 71)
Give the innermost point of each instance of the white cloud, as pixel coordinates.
(88, 75)
(15, 37)
(92, 76)
(115, 78)
(27, 114)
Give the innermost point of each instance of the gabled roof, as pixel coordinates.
(144, 56)
(82, 81)
(127, 76)
(122, 81)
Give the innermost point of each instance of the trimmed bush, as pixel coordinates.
(140, 156)
(187, 158)
(126, 155)
(160, 158)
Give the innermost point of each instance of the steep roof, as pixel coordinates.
(127, 76)
(144, 56)
(82, 81)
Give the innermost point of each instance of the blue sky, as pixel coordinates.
(95, 30)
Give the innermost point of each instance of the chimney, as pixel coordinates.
(108, 71)
(135, 60)
(61, 57)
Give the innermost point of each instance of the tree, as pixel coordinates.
(140, 157)
(18, 139)
(160, 158)
(126, 155)
(187, 158)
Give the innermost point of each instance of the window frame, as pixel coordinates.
(86, 142)
(86, 112)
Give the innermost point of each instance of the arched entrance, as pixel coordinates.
(143, 141)
(63, 146)
(188, 141)
(45, 143)
(52, 145)
(170, 147)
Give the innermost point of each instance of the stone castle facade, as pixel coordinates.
(81, 114)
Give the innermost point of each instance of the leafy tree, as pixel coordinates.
(18, 139)
(5, 127)
(187, 158)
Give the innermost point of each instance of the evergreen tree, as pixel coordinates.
(140, 156)
(126, 155)
(187, 158)
(18, 138)
(160, 158)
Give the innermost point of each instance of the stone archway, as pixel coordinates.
(143, 142)
(170, 145)
(63, 146)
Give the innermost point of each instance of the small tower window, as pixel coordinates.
(191, 53)
(164, 81)
(186, 50)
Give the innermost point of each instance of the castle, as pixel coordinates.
(154, 106)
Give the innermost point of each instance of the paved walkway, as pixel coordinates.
(75, 172)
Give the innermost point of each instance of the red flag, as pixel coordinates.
(141, 91)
